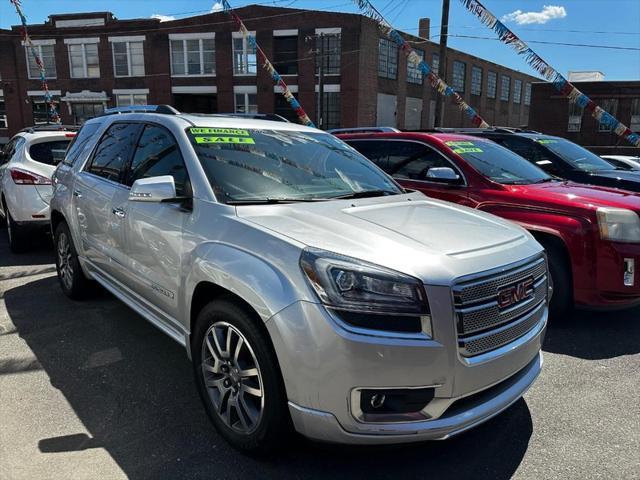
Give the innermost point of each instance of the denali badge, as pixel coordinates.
(513, 294)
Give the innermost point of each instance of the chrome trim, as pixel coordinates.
(358, 414)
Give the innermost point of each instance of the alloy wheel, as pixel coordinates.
(65, 264)
(232, 378)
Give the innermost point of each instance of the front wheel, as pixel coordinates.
(70, 275)
(238, 378)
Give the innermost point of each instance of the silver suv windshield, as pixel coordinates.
(245, 166)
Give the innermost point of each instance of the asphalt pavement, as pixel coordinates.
(90, 390)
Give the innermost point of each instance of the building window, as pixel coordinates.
(505, 86)
(41, 110)
(414, 74)
(459, 72)
(285, 55)
(3, 113)
(83, 60)
(609, 105)
(193, 56)
(244, 56)
(435, 63)
(476, 80)
(527, 94)
(387, 59)
(126, 99)
(575, 117)
(517, 90)
(330, 43)
(246, 103)
(282, 108)
(634, 124)
(330, 111)
(492, 84)
(84, 111)
(48, 58)
(128, 59)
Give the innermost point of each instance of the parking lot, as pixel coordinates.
(90, 390)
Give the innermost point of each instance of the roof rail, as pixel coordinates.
(50, 127)
(166, 109)
(364, 130)
(274, 117)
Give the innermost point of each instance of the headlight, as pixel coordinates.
(618, 225)
(367, 295)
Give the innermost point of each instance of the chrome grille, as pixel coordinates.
(482, 324)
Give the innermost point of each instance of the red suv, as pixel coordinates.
(591, 234)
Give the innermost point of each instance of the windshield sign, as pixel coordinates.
(577, 156)
(263, 165)
(498, 163)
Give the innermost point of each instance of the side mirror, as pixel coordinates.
(443, 174)
(153, 189)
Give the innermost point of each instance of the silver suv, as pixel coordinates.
(309, 290)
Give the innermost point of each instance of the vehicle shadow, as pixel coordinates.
(40, 250)
(132, 387)
(595, 335)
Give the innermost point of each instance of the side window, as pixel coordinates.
(114, 151)
(412, 161)
(158, 154)
(79, 142)
(8, 151)
(374, 150)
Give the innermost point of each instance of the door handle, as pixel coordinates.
(118, 212)
(77, 193)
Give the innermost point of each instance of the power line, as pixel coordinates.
(585, 45)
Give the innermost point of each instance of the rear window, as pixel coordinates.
(50, 153)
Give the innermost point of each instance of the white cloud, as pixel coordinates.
(549, 12)
(217, 7)
(163, 18)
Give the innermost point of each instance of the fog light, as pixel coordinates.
(629, 272)
(395, 401)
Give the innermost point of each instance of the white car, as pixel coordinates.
(26, 165)
(625, 162)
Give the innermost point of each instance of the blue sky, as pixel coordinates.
(570, 21)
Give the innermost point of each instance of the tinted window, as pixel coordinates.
(619, 164)
(51, 153)
(8, 150)
(79, 142)
(498, 163)
(158, 154)
(114, 150)
(374, 150)
(408, 160)
(244, 164)
(532, 152)
(579, 157)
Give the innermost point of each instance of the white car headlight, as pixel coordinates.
(619, 225)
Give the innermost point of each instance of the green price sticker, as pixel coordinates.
(467, 150)
(218, 131)
(236, 140)
(460, 144)
(543, 141)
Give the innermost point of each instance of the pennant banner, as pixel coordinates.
(543, 68)
(53, 113)
(266, 64)
(436, 82)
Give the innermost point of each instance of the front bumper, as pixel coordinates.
(322, 363)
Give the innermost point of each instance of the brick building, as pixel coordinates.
(199, 64)
(552, 114)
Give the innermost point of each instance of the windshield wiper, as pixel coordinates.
(269, 200)
(366, 194)
(545, 180)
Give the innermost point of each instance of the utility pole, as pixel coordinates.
(442, 66)
(320, 115)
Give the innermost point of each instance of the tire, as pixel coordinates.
(18, 242)
(560, 270)
(250, 423)
(70, 275)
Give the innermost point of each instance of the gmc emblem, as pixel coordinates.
(513, 294)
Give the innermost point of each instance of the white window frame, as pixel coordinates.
(183, 37)
(575, 120)
(3, 118)
(502, 89)
(245, 54)
(38, 44)
(83, 42)
(130, 92)
(492, 93)
(455, 76)
(128, 41)
(477, 92)
(517, 91)
(245, 91)
(527, 93)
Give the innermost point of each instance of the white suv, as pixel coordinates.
(26, 165)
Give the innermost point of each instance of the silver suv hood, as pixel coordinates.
(410, 233)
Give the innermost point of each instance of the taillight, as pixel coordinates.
(20, 177)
